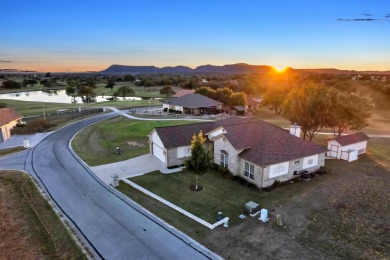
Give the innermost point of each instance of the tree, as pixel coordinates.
(309, 106)
(10, 84)
(200, 159)
(110, 84)
(124, 91)
(274, 97)
(2, 104)
(167, 90)
(349, 111)
(87, 94)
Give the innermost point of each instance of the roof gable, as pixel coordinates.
(350, 139)
(8, 115)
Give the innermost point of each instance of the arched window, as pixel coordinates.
(224, 158)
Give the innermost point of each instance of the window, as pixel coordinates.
(224, 159)
(249, 171)
(310, 161)
(296, 162)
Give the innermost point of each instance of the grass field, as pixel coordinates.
(29, 227)
(28, 108)
(150, 92)
(102, 138)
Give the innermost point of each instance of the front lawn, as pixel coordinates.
(96, 144)
(219, 194)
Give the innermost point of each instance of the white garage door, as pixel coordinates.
(158, 152)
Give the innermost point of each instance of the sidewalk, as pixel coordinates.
(132, 167)
(18, 140)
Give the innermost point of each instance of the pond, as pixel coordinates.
(56, 96)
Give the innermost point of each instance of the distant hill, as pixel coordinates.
(239, 68)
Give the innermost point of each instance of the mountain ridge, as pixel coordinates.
(238, 68)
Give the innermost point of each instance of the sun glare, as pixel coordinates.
(279, 69)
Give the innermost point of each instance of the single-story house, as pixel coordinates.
(194, 104)
(252, 104)
(257, 151)
(347, 147)
(183, 92)
(9, 118)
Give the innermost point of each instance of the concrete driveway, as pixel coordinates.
(130, 168)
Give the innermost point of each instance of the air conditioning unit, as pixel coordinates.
(251, 207)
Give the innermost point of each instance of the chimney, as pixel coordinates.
(295, 130)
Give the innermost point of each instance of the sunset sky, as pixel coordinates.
(81, 35)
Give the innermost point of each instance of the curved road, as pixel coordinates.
(113, 226)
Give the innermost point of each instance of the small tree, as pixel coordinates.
(167, 90)
(124, 91)
(200, 159)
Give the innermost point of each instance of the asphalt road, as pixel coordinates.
(112, 225)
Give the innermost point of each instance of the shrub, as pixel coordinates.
(37, 126)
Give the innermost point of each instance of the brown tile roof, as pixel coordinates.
(8, 115)
(193, 101)
(351, 139)
(183, 92)
(263, 143)
(181, 135)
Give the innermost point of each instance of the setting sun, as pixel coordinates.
(279, 69)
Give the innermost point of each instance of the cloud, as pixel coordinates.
(367, 14)
(358, 20)
(5, 61)
(387, 16)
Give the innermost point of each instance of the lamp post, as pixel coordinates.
(43, 109)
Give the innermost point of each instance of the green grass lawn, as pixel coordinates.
(30, 108)
(96, 144)
(218, 194)
(149, 92)
(11, 150)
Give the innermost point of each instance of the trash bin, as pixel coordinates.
(114, 180)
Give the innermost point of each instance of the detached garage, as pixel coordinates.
(347, 147)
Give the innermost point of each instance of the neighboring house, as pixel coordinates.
(9, 118)
(347, 147)
(194, 104)
(255, 150)
(252, 104)
(183, 92)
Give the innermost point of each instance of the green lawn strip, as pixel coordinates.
(169, 215)
(30, 108)
(96, 144)
(45, 227)
(218, 194)
(11, 150)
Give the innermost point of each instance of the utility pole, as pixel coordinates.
(43, 108)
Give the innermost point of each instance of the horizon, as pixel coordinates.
(69, 36)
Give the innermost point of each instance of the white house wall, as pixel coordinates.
(310, 161)
(294, 166)
(156, 139)
(184, 151)
(221, 143)
(278, 170)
